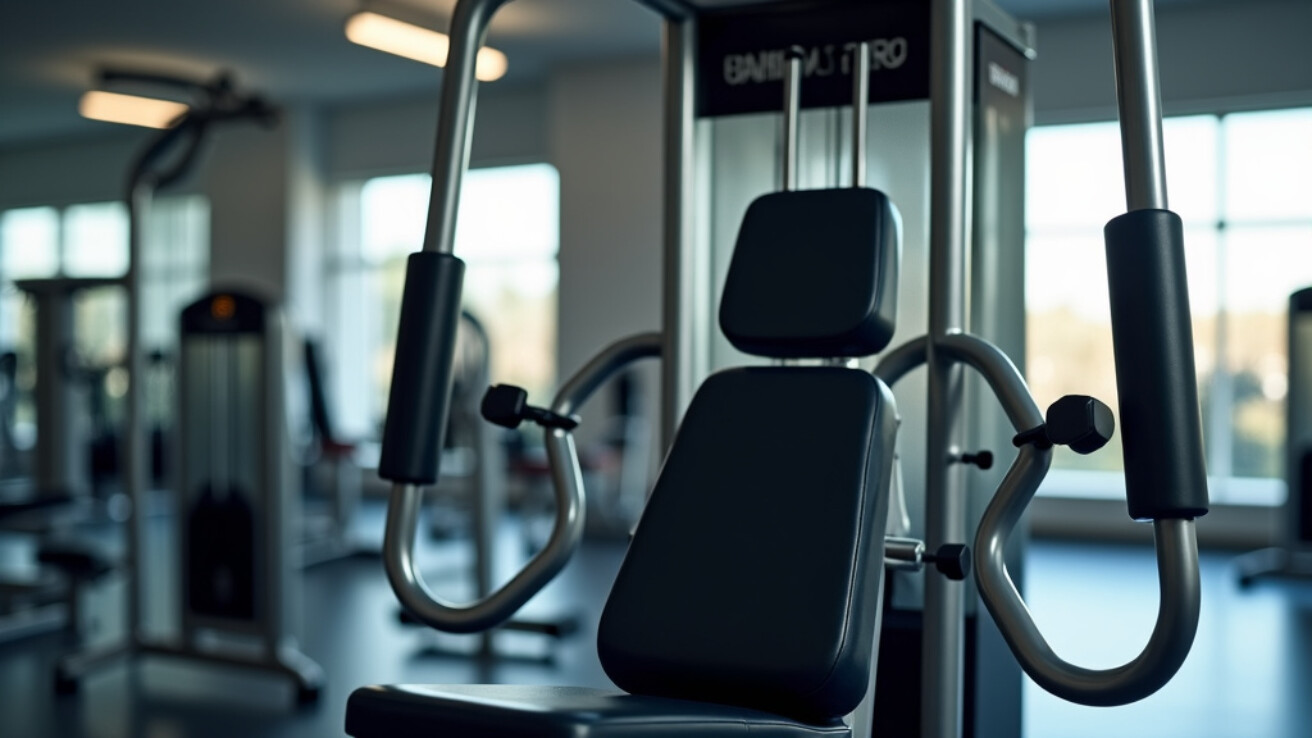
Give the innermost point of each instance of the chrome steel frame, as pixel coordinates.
(567, 482)
(942, 350)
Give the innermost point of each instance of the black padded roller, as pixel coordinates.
(1161, 433)
(419, 400)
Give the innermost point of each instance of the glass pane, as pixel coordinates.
(1191, 167)
(29, 243)
(509, 213)
(1068, 329)
(516, 302)
(1073, 176)
(509, 233)
(385, 284)
(1263, 266)
(96, 240)
(505, 213)
(393, 211)
(1268, 165)
(174, 265)
(1069, 338)
(100, 326)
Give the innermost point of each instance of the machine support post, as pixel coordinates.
(943, 654)
(792, 112)
(860, 110)
(135, 475)
(680, 369)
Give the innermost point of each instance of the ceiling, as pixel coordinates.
(294, 50)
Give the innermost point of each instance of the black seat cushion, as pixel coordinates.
(814, 273)
(754, 577)
(496, 711)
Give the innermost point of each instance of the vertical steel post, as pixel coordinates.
(135, 473)
(792, 111)
(1139, 98)
(942, 656)
(456, 121)
(678, 279)
(860, 110)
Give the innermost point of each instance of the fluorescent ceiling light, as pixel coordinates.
(414, 42)
(130, 109)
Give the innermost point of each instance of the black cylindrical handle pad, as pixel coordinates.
(420, 396)
(1161, 433)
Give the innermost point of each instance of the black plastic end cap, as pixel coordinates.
(504, 405)
(1081, 423)
(952, 560)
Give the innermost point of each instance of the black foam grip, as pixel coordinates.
(1161, 432)
(420, 396)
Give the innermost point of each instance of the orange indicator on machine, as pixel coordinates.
(223, 307)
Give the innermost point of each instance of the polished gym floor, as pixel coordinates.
(1248, 676)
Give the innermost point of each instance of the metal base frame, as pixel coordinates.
(287, 661)
(1274, 563)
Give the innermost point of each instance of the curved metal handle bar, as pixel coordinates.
(455, 119)
(603, 366)
(221, 104)
(144, 166)
(567, 477)
(900, 361)
(1177, 562)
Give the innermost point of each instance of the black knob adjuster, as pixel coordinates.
(1081, 423)
(507, 406)
(952, 560)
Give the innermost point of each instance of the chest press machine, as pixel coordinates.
(750, 598)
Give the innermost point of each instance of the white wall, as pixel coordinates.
(246, 179)
(398, 136)
(1214, 57)
(67, 172)
(605, 139)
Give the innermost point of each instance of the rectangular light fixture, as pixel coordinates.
(414, 42)
(133, 110)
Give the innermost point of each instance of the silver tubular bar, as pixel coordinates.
(680, 265)
(1001, 375)
(135, 475)
(1138, 95)
(603, 366)
(902, 360)
(406, 500)
(792, 111)
(860, 110)
(1177, 562)
(943, 647)
(456, 120)
(1177, 616)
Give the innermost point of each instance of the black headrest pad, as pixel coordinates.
(814, 274)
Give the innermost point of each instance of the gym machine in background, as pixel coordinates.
(1293, 558)
(933, 58)
(232, 584)
(62, 454)
(237, 508)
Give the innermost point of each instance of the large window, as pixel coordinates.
(507, 234)
(88, 241)
(1242, 183)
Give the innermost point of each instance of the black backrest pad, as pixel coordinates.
(754, 576)
(814, 273)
